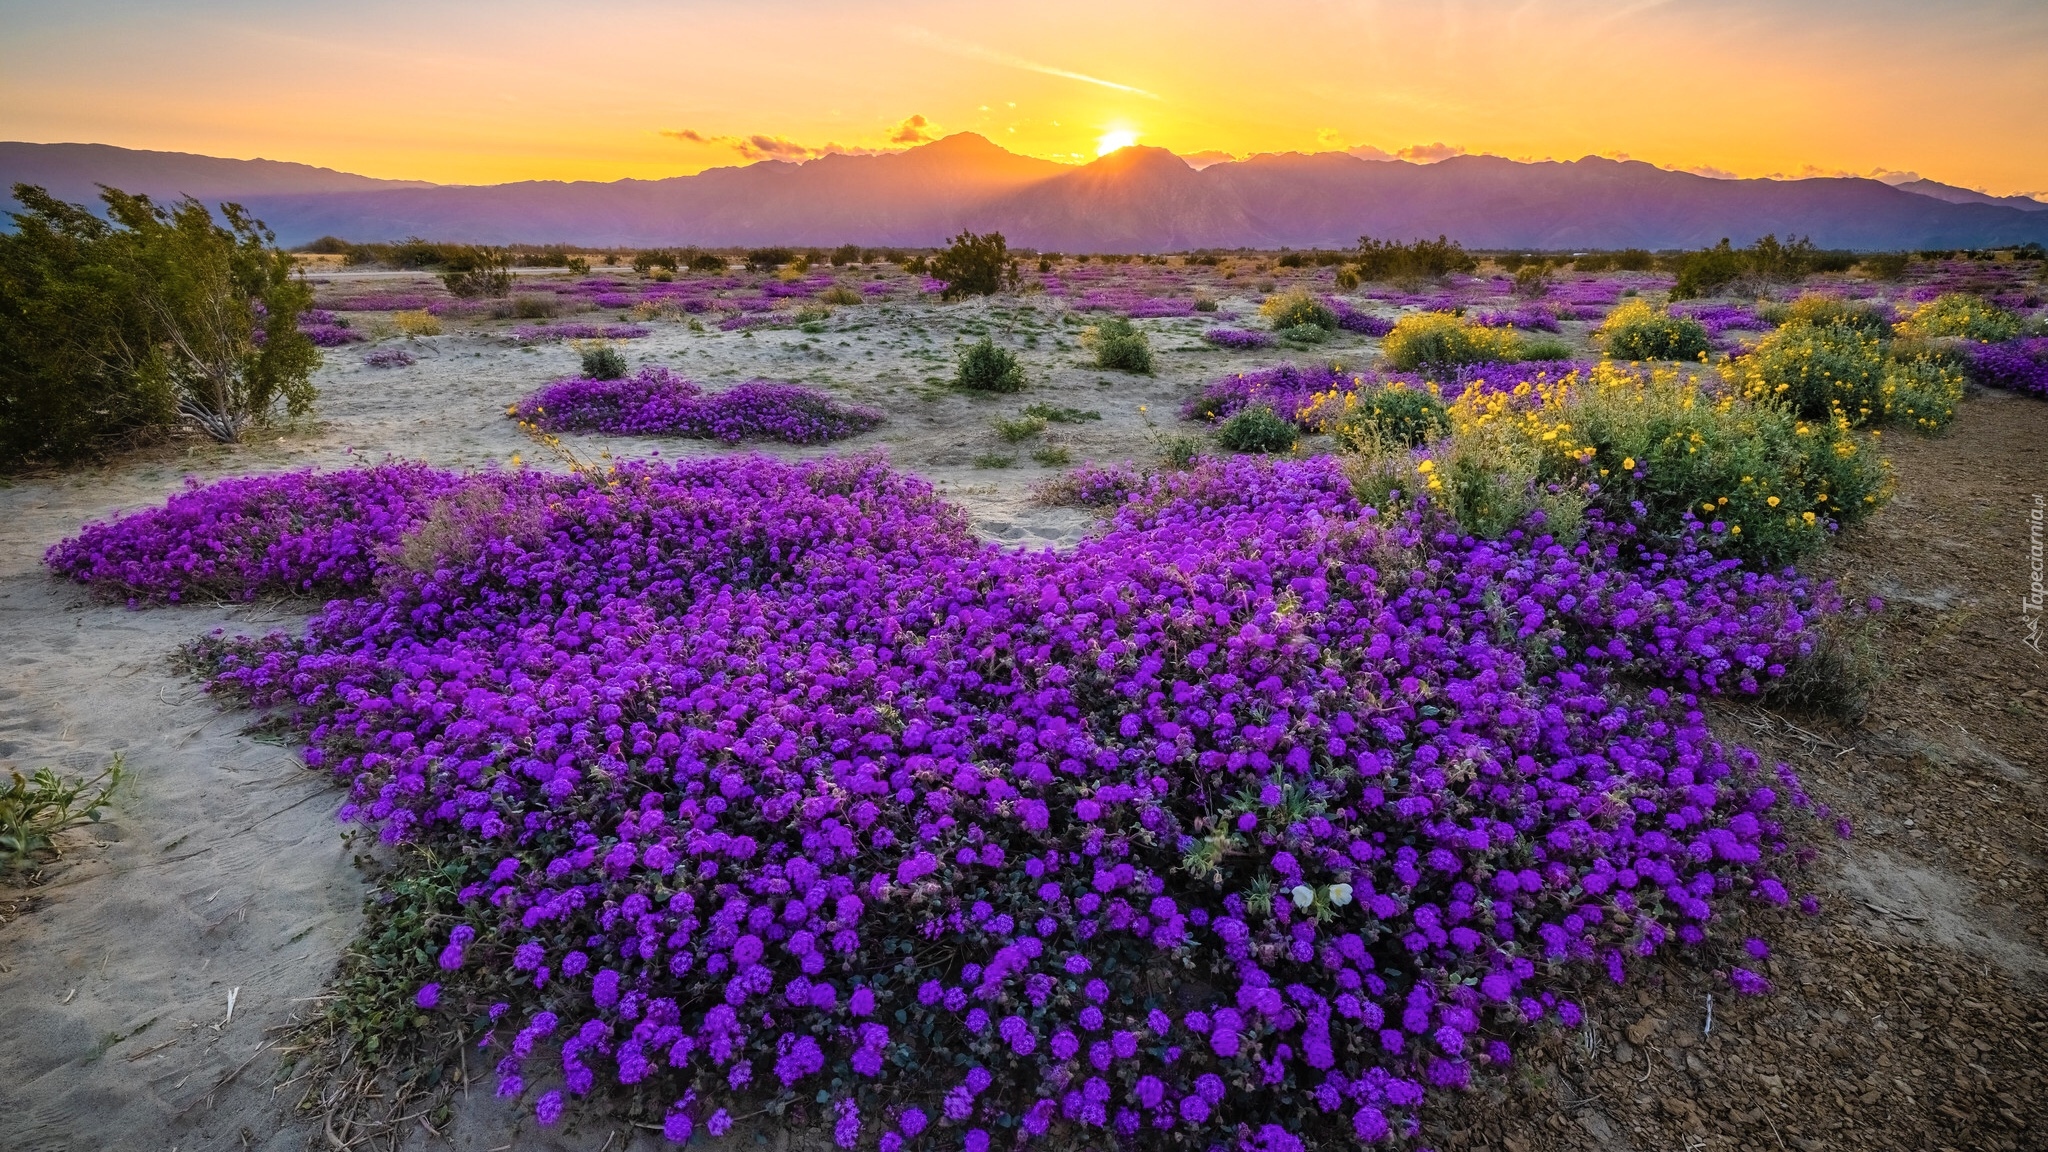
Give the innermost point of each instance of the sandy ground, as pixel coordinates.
(220, 871)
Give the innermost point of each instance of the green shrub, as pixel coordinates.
(1772, 478)
(841, 294)
(1870, 319)
(1532, 279)
(1119, 346)
(1257, 429)
(1707, 271)
(845, 254)
(708, 262)
(533, 306)
(1053, 456)
(1297, 308)
(1546, 348)
(1304, 334)
(1887, 265)
(1922, 394)
(1420, 260)
(1818, 370)
(1055, 414)
(975, 265)
(768, 259)
(1960, 314)
(1440, 342)
(987, 368)
(603, 362)
(478, 272)
(648, 260)
(1636, 331)
(1015, 430)
(1396, 415)
(1635, 260)
(34, 809)
(116, 326)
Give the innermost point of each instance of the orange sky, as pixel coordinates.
(476, 93)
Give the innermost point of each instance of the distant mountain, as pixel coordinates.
(74, 172)
(1133, 200)
(1955, 195)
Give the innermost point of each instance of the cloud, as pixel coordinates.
(912, 130)
(1368, 152)
(1711, 172)
(946, 44)
(1430, 153)
(908, 132)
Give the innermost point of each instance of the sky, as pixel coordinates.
(484, 92)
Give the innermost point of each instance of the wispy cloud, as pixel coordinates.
(908, 132)
(971, 51)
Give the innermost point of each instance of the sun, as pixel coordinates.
(1114, 139)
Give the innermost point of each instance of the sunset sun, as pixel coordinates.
(1114, 139)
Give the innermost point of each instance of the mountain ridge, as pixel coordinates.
(1136, 199)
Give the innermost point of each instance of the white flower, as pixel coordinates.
(1303, 895)
(1340, 895)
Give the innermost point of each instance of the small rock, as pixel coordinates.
(1640, 1032)
(1625, 1053)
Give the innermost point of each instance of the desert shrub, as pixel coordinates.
(1960, 314)
(1304, 334)
(1818, 370)
(478, 272)
(1593, 262)
(974, 265)
(1419, 260)
(578, 265)
(1664, 451)
(533, 306)
(1298, 307)
(1016, 429)
(35, 808)
(845, 255)
(1057, 414)
(603, 361)
(1347, 278)
(1178, 451)
(1396, 415)
(417, 323)
(1635, 260)
(1052, 455)
(986, 368)
(1532, 279)
(1707, 271)
(708, 262)
(1546, 348)
(1492, 486)
(1439, 341)
(842, 294)
(1870, 318)
(1636, 331)
(1922, 393)
(1257, 429)
(768, 259)
(1119, 346)
(155, 311)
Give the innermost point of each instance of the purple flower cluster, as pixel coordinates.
(771, 778)
(549, 333)
(1285, 389)
(1240, 339)
(384, 302)
(1528, 316)
(2014, 365)
(292, 534)
(657, 402)
(1091, 485)
(330, 335)
(390, 358)
(1719, 318)
(1351, 319)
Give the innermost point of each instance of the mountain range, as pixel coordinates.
(1137, 199)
